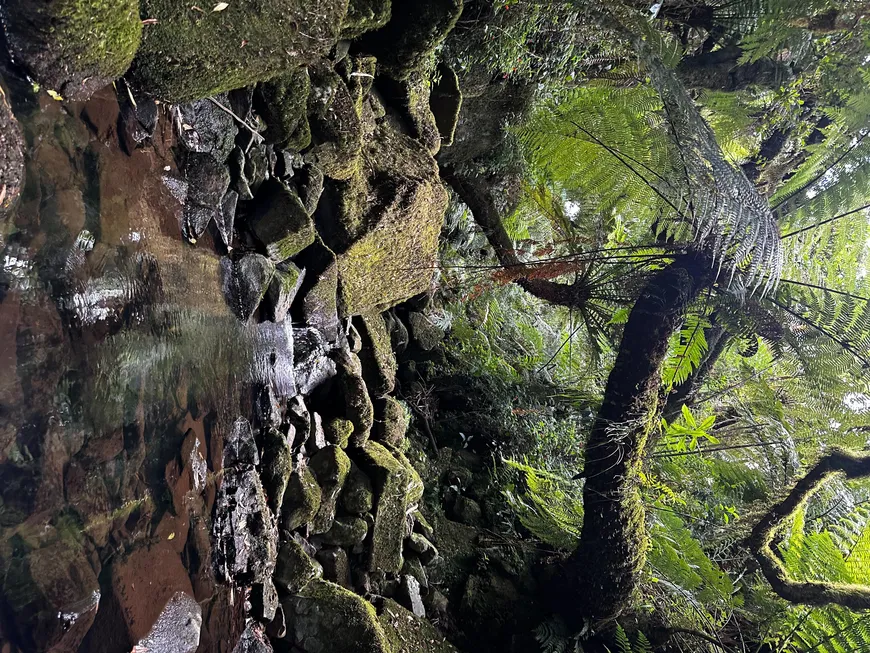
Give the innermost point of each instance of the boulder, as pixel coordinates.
(346, 532)
(409, 595)
(409, 633)
(391, 421)
(378, 361)
(311, 188)
(416, 28)
(295, 569)
(357, 496)
(207, 182)
(320, 304)
(422, 547)
(277, 466)
(73, 47)
(467, 511)
(414, 567)
(273, 364)
(338, 431)
(326, 618)
(253, 639)
(226, 218)
(395, 259)
(282, 290)
(336, 567)
(280, 222)
(11, 159)
(330, 466)
(425, 334)
(358, 405)
(245, 283)
(397, 488)
(264, 599)
(186, 54)
(335, 125)
(283, 103)
(206, 128)
(301, 499)
(312, 364)
(177, 629)
(364, 16)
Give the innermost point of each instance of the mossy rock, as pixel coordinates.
(357, 497)
(408, 633)
(336, 129)
(326, 618)
(378, 361)
(416, 28)
(294, 569)
(359, 408)
(391, 421)
(361, 80)
(11, 161)
(277, 465)
(282, 102)
(282, 290)
(330, 466)
(364, 16)
(346, 532)
(280, 221)
(302, 500)
(74, 47)
(396, 257)
(189, 54)
(394, 485)
(320, 304)
(412, 94)
(445, 103)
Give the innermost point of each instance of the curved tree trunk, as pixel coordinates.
(605, 570)
(814, 593)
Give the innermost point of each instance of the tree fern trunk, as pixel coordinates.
(605, 570)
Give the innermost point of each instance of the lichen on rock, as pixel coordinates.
(73, 47)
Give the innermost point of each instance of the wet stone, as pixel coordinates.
(177, 629)
(246, 282)
(311, 188)
(253, 640)
(273, 358)
(316, 436)
(240, 183)
(312, 364)
(264, 601)
(205, 127)
(414, 567)
(358, 405)
(320, 304)
(282, 290)
(226, 217)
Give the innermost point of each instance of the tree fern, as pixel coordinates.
(687, 349)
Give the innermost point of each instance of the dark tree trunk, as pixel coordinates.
(606, 568)
(721, 70)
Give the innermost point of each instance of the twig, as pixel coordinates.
(256, 134)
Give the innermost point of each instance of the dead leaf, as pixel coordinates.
(220, 6)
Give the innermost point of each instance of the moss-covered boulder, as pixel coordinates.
(408, 633)
(416, 28)
(412, 95)
(336, 128)
(395, 258)
(396, 486)
(358, 405)
(294, 569)
(280, 222)
(378, 361)
(391, 421)
(74, 47)
(326, 618)
(282, 290)
(282, 102)
(302, 500)
(338, 431)
(364, 16)
(277, 465)
(188, 54)
(11, 160)
(330, 466)
(346, 531)
(357, 497)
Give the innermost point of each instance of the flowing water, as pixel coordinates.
(121, 369)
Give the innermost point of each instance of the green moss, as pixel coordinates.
(395, 486)
(358, 405)
(378, 361)
(326, 618)
(301, 500)
(416, 91)
(283, 104)
(189, 54)
(338, 432)
(335, 125)
(331, 466)
(364, 16)
(357, 497)
(74, 46)
(361, 80)
(391, 422)
(407, 633)
(280, 222)
(294, 569)
(415, 30)
(346, 532)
